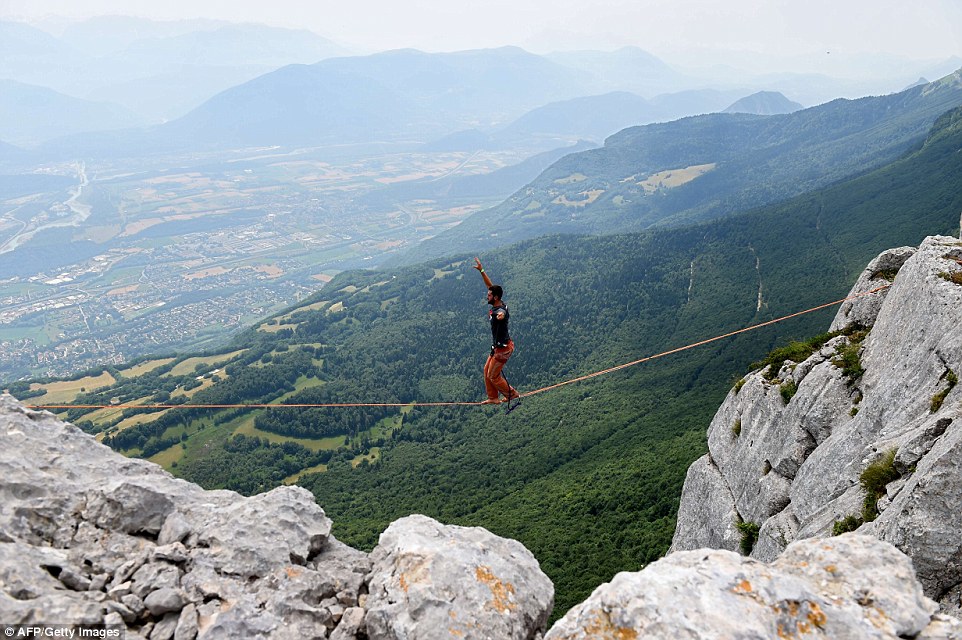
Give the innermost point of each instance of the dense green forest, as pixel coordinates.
(750, 161)
(587, 476)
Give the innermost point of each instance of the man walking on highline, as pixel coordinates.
(501, 344)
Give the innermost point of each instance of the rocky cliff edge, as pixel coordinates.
(863, 434)
(89, 537)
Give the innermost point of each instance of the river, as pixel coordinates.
(79, 212)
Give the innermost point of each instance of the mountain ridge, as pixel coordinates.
(702, 167)
(765, 103)
(31, 115)
(159, 70)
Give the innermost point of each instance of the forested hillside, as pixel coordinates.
(587, 476)
(704, 167)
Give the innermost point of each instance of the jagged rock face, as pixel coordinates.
(863, 311)
(88, 536)
(819, 443)
(848, 587)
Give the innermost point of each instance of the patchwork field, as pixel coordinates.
(674, 177)
(190, 364)
(247, 428)
(65, 391)
(144, 367)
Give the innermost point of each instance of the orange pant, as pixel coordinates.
(494, 380)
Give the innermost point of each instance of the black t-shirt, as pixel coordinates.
(499, 326)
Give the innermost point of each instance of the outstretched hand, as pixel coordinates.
(477, 265)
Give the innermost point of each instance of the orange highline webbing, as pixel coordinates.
(249, 406)
(461, 404)
(703, 342)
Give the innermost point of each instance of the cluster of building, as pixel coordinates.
(110, 342)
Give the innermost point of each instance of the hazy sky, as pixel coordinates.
(920, 29)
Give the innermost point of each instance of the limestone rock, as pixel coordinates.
(108, 509)
(351, 622)
(165, 600)
(821, 520)
(706, 502)
(166, 628)
(847, 587)
(775, 534)
(186, 624)
(924, 519)
(879, 272)
(481, 586)
(248, 537)
(88, 536)
(833, 428)
(942, 628)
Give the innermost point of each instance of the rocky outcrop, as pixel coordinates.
(848, 587)
(421, 567)
(874, 428)
(89, 537)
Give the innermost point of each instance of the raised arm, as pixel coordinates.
(487, 280)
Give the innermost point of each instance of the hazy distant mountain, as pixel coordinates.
(497, 85)
(168, 96)
(918, 83)
(104, 35)
(599, 116)
(812, 89)
(942, 68)
(19, 41)
(693, 102)
(637, 71)
(30, 55)
(593, 117)
(160, 70)
(704, 167)
(764, 103)
(395, 95)
(590, 117)
(233, 45)
(627, 69)
(297, 105)
(809, 79)
(166, 77)
(414, 95)
(30, 115)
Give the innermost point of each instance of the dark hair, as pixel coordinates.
(496, 291)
